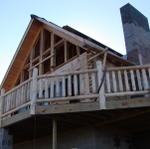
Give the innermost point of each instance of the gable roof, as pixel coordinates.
(30, 36)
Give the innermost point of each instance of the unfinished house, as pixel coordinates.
(64, 90)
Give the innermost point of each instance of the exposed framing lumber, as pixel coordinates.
(41, 51)
(54, 134)
(52, 51)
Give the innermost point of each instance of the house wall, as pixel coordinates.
(82, 138)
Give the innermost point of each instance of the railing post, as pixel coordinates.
(102, 100)
(1, 105)
(33, 91)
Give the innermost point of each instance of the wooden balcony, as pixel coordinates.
(85, 90)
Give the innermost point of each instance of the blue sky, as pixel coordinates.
(97, 18)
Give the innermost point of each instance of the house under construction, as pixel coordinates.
(65, 90)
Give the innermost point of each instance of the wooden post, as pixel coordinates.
(54, 135)
(1, 105)
(41, 51)
(105, 57)
(52, 52)
(102, 100)
(33, 92)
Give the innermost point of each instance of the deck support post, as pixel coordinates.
(102, 100)
(54, 134)
(33, 93)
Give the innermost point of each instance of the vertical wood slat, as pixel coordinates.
(114, 82)
(51, 88)
(75, 85)
(57, 87)
(46, 88)
(22, 95)
(120, 81)
(40, 86)
(10, 102)
(93, 77)
(133, 80)
(139, 79)
(108, 82)
(18, 97)
(81, 81)
(145, 80)
(63, 87)
(7, 102)
(126, 81)
(28, 91)
(13, 99)
(69, 86)
(86, 84)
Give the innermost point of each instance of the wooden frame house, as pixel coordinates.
(62, 79)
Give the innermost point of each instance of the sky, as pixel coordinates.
(99, 19)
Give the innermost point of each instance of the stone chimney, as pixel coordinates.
(136, 34)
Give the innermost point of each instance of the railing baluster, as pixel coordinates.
(86, 83)
(145, 81)
(114, 81)
(63, 87)
(108, 82)
(57, 87)
(81, 81)
(22, 95)
(28, 91)
(40, 88)
(75, 84)
(120, 81)
(46, 88)
(11, 100)
(8, 102)
(51, 88)
(139, 79)
(133, 80)
(93, 77)
(69, 86)
(126, 80)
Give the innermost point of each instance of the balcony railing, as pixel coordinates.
(79, 86)
(131, 80)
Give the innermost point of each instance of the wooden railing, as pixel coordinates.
(67, 86)
(130, 80)
(17, 98)
(78, 86)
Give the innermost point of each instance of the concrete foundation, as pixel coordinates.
(82, 138)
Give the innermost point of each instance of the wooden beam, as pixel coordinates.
(54, 135)
(65, 51)
(41, 51)
(52, 51)
(67, 108)
(105, 58)
(16, 118)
